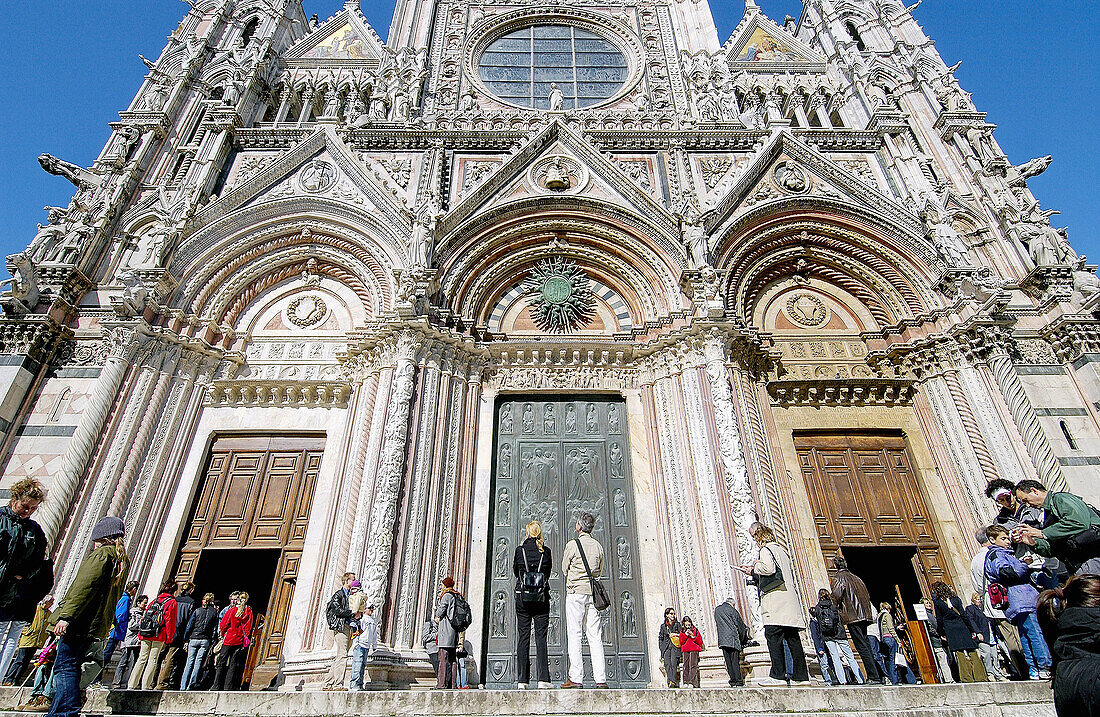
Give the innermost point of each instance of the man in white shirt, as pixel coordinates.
(579, 609)
(363, 646)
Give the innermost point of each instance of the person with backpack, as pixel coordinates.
(452, 612)
(1012, 514)
(532, 565)
(340, 621)
(156, 629)
(83, 616)
(835, 637)
(1006, 638)
(236, 630)
(582, 565)
(131, 646)
(175, 654)
(779, 607)
(1070, 531)
(1005, 571)
(122, 619)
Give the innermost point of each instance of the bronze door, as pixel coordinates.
(556, 456)
(254, 499)
(864, 493)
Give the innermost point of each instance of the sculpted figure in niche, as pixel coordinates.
(694, 237)
(422, 242)
(570, 418)
(592, 419)
(613, 419)
(630, 617)
(556, 98)
(948, 242)
(622, 552)
(528, 418)
(619, 510)
(549, 419)
(505, 470)
(504, 506)
(506, 418)
(499, 617)
(500, 559)
(615, 456)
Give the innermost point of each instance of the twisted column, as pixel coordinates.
(1004, 372)
(977, 441)
(379, 558)
(51, 516)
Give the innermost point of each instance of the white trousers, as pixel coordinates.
(579, 611)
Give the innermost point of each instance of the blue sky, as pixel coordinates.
(69, 67)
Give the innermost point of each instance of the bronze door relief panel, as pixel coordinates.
(555, 457)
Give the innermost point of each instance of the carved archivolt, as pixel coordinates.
(885, 280)
(487, 264)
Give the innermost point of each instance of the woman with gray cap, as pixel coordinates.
(86, 612)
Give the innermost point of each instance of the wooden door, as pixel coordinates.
(256, 493)
(863, 492)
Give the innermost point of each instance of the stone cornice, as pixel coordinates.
(845, 392)
(1072, 336)
(283, 394)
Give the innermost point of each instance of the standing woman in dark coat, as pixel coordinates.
(532, 605)
(1070, 619)
(954, 626)
(670, 650)
(25, 574)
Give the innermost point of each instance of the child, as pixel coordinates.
(691, 644)
(1002, 565)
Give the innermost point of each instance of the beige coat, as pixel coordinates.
(779, 607)
(576, 579)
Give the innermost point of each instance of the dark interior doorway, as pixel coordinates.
(225, 570)
(883, 568)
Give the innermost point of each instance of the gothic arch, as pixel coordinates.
(483, 259)
(884, 274)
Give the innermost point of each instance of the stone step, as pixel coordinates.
(1013, 699)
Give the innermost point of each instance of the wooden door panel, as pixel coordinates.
(863, 492)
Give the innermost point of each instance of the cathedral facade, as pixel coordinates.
(326, 303)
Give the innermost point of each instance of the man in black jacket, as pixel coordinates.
(340, 617)
(733, 633)
(856, 612)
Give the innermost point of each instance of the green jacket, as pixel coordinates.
(1066, 516)
(89, 603)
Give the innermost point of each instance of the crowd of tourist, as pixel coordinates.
(1034, 613)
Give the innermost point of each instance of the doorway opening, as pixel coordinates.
(886, 570)
(225, 570)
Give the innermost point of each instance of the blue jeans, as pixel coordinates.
(358, 663)
(196, 653)
(826, 673)
(9, 641)
(66, 676)
(109, 649)
(1031, 638)
(889, 653)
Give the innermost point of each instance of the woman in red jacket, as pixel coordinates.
(162, 612)
(691, 644)
(236, 631)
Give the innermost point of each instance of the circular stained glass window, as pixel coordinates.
(525, 66)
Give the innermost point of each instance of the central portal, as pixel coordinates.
(556, 456)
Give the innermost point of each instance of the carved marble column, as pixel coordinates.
(376, 570)
(734, 468)
(1023, 413)
(122, 342)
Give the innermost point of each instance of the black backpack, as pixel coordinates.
(827, 620)
(152, 620)
(533, 587)
(461, 616)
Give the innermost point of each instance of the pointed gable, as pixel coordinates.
(345, 38)
(759, 44)
(524, 173)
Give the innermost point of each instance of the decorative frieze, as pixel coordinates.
(311, 394)
(849, 392)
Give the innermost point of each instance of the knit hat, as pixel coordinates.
(356, 584)
(108, 527)
(448, 582)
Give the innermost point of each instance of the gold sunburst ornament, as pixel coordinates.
(563, 299)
